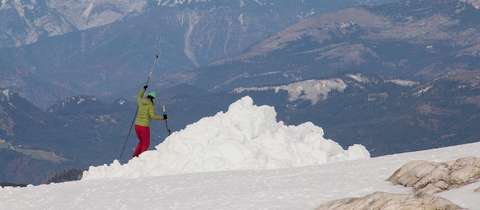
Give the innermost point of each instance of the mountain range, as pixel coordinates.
(28, 21)
(89, 56)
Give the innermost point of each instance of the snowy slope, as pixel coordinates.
(295, 188)
(244, 180)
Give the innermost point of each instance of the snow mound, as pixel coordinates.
(246, 137)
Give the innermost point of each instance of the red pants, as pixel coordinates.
(143, 134)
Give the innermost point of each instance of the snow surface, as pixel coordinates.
(423, 91)
(359, 78)
(191, 19)
(406, 83)
(474, 3)
(140, 184)
(88, 10)
(246, 137)
(172, 3)
(294, 188)
(465, 196)
(6, 95)
(87, 14)
(312, 90)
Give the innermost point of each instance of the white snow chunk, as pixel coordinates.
(246, 137)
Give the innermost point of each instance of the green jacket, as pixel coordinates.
(146, 110)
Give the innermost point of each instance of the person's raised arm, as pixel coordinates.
(141, 93)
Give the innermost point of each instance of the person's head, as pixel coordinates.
(151, 95)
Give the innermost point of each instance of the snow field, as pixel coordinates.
(293, 189)
(246, 137)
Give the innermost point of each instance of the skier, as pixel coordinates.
(146, 112)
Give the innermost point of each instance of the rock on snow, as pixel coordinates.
(245, 137)
(433, 177)
(381, 200)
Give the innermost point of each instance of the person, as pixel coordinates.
(145, 113)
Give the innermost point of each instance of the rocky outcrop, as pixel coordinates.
(432, 177)
(389, 201)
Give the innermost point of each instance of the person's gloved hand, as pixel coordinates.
(145, 87)
(165, 117)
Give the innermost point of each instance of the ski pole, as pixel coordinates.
(136, 111)
(164, 110)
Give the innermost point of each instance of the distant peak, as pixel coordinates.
(474, 3)
(5, 94)
(81, 99)
(171, 3)
(121, 101)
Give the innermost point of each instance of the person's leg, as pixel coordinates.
(140, 131)
(146, 140)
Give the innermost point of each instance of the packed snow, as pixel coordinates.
(312, 90)
(246, 137)
(294, 188)
(465, 196)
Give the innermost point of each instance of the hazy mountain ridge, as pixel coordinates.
(409, 39)
(112, 59)
(27, 21)
(34, 142)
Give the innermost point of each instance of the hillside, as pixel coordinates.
(35, 144)
(427, 44)
(416, 40)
